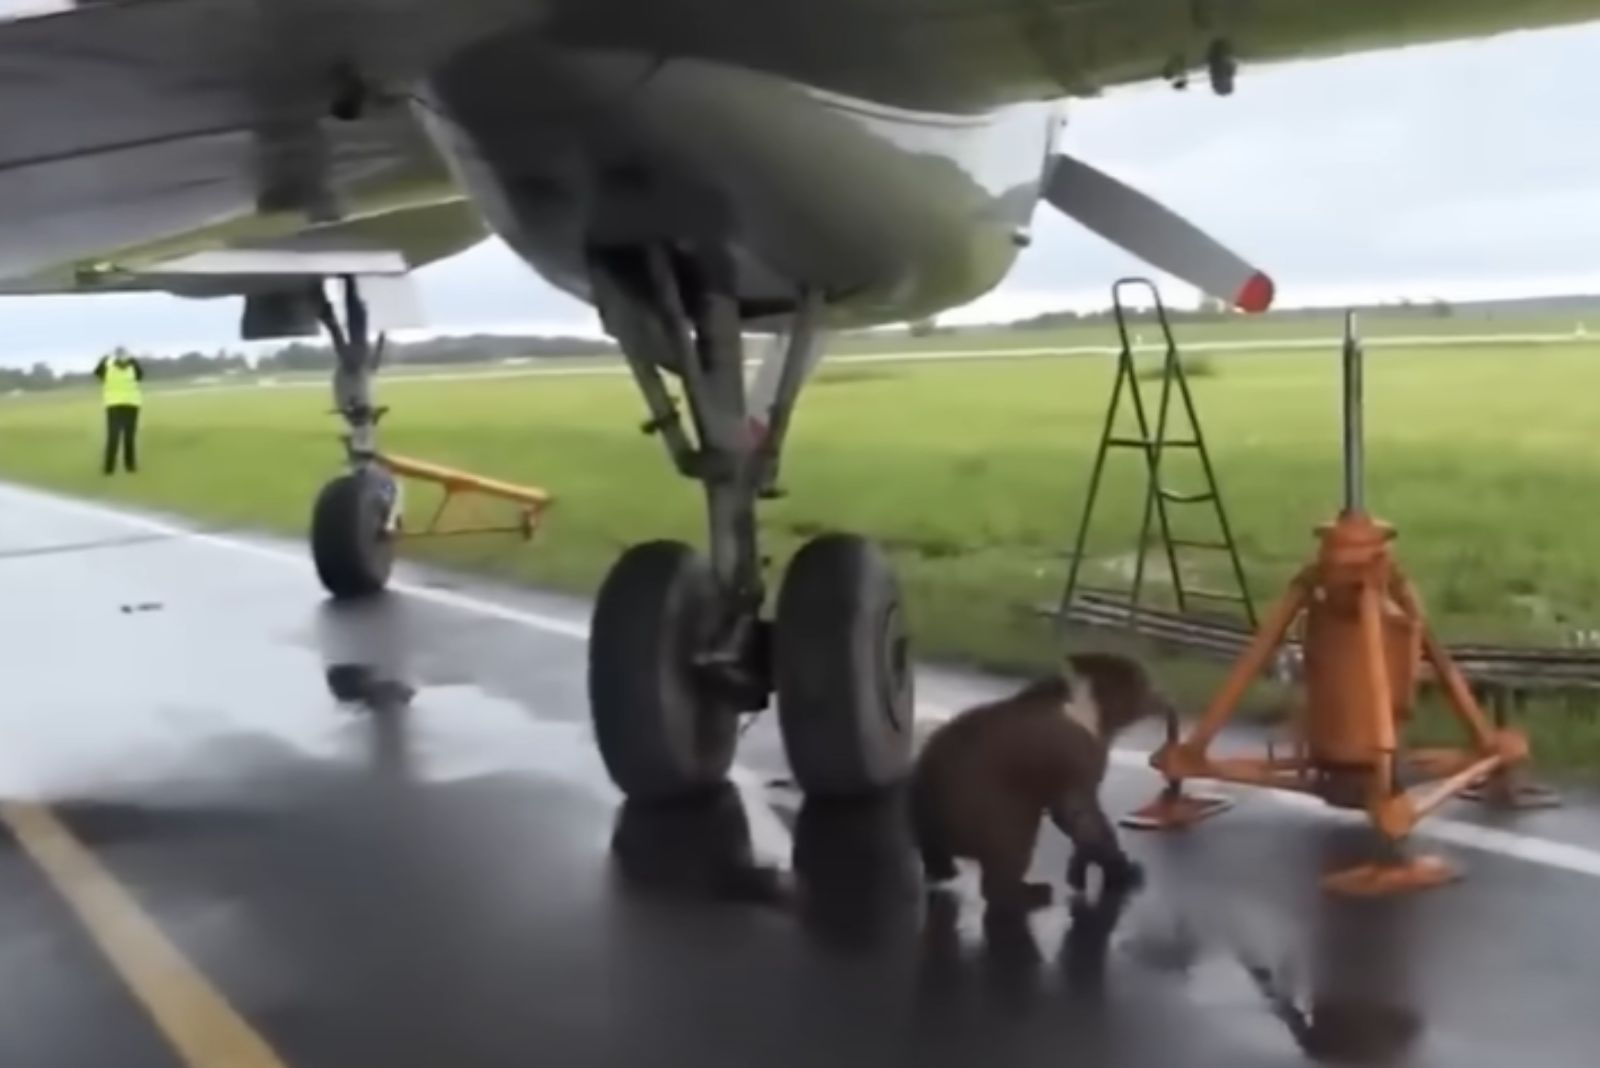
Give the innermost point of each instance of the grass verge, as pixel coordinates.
(972, 473)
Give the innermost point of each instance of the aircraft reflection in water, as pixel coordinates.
(365, 657)
(1357, 1004)
(853, 882)
(1340, 982)
(855, 886)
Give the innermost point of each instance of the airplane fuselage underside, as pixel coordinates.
(889, 213)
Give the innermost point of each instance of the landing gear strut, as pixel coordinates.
(678, 647)
(355, 517)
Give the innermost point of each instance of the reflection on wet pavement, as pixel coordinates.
(698, 850)
(385, 834)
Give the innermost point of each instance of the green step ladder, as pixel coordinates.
(1159, 498)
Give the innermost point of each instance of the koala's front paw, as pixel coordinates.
(1119, 872)
(1123, 873)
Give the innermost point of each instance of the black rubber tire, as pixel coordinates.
(352, 549)
(661, 735)
(846, 700)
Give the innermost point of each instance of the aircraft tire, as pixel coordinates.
(846, 705)
(661, 735)
(350, 546)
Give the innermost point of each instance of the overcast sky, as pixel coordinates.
(1456, 171)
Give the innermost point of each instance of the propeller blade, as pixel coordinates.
(1134, 222)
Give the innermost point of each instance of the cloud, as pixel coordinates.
(1459, 169)
(1464, 164)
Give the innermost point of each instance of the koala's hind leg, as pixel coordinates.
(937, 865)
(1078, 815)
(932, 836)
(1005, 858)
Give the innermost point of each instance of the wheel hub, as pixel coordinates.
(739, 668)
(893, 664)
(390, 507)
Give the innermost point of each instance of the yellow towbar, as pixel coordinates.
(530, 501)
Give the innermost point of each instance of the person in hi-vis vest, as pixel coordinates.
(120, 375)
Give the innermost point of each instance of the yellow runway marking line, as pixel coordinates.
(204, 1030)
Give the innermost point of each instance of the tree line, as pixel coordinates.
(303, 356)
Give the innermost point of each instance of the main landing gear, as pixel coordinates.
(356, 516)
(678, 648)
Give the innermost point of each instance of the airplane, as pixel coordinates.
(702, 172)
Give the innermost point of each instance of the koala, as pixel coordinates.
(984, 779)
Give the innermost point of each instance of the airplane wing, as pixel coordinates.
(135, 133)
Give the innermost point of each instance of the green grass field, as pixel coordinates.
(1487, 458)
(1374, 326)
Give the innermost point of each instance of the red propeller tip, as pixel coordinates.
(1256, 294)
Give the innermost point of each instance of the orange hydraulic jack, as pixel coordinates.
(1364, 636)
(531, 502)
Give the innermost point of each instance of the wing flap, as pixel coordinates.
(146, 125)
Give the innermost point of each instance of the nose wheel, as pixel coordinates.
(351, 543)
(352, 535)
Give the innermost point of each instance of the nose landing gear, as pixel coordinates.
(355, 517)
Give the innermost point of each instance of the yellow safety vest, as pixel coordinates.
(121, 385)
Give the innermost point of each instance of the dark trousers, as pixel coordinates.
(122, 427)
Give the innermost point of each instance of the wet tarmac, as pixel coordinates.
(381, 836)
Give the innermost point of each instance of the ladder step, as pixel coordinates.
(1213, 595)
(1138, 443)
(1171, 427)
